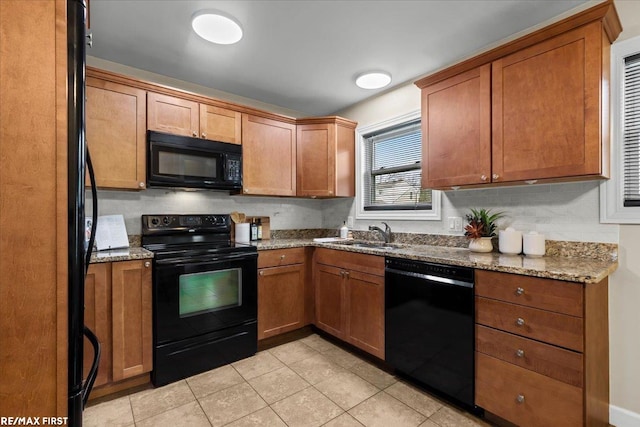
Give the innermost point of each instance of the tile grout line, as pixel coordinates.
(198, 402)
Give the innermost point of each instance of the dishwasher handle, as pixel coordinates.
(430, 277)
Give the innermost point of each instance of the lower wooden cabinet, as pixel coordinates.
(281, 291)
(349, 290)
(118, 304)
(542, 350)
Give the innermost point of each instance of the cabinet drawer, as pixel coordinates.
(371, 264)
(545, 359)
(278, 257)
(524, 397)
(541, 325)
(547, 294)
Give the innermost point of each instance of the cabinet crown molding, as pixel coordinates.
(604, 12)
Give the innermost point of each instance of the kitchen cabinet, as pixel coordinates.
(535, 109)
(268, 156)
(542, 352)
(131, 311)
(349, 289)
(97, 317)
(281, 291)
(180, 116)
(118, 308)
(325, 149)
(116, 134)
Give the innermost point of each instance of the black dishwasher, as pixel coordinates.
(429, 326)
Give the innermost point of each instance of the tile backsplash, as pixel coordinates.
(568, 212)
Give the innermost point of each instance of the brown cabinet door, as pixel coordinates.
(280, 300)
(97, 317)
(365, 312)
(172, 115)
(268, 156)
(329, 288)
(316, 151)
(220, 124)
(456, 130)
(116, 126)
(546, 108)
(131, 311)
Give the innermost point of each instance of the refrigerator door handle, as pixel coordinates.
(93, 372)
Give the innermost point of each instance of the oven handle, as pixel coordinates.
(430, 277)
(204, 259)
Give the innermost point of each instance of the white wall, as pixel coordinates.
(624, 290)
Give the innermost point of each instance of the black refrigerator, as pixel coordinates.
(79, 163)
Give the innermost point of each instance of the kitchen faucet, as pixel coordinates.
(386, 234)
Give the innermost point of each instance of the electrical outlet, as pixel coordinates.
(350, 221)
(455, 223)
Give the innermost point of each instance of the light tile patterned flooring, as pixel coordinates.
(305, 383)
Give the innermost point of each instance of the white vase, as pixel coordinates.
(481, 244)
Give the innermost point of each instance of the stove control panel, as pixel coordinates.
(153, 224)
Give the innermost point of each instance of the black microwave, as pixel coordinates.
(182, 161)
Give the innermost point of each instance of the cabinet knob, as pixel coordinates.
(204, 135)
(495, 176)
(147, 264)
(519, 291)
(194, 133)
(520, 353)
(141, 184)
(520, 398)
(282, 256)
(261, 273)
(483, 177)
(520, 321)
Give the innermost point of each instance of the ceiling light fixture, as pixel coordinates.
(216, 27)
(373, 79)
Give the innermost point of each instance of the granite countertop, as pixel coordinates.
(126, 254)
(581, 270)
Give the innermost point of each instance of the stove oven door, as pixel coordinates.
(195, 296)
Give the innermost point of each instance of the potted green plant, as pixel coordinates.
(481, 228)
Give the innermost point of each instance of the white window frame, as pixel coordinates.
(612, 210)
(361, 169)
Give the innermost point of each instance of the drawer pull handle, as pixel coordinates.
(520, 353)
(519, 291)
(520, 321)
(147, 264)
(282, 256)
(520, 398)
(262, 273)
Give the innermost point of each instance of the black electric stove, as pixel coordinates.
(204, 294)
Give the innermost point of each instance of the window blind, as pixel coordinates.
(393, 169)
(631, 130)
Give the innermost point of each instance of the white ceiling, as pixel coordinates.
(305, 55)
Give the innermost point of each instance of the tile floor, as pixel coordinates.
(305, 383)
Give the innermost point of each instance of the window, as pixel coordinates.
(390, 170)
(620, 196)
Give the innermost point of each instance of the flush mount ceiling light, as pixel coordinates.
(373, 79)
(216, 27)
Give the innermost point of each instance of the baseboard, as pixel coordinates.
(621, 417)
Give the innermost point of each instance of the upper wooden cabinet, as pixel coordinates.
(116, 134)
(456, 129)
(325, 157)
(268, 156)
(535, 109)
(180, 116)
(173, 115)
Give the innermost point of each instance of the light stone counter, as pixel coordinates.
(573, 269)
(127, 254)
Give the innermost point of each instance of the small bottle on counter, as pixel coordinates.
(253, 230)
(344, 230)
(259, 232)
